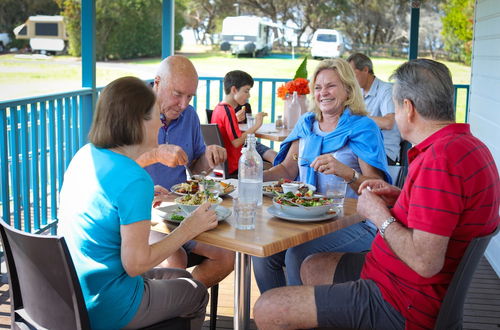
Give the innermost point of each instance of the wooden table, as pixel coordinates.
(269, 132)
(271, 235)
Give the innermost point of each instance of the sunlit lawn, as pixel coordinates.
(26, 76)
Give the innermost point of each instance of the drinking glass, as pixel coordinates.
(250, 120)
(336, 189)
(244, 214)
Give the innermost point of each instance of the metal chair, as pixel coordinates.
(211, 135)
(452, 309)
(399, 172)
(44, 289)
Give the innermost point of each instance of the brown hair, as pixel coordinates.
(354, 100)
(120, 111)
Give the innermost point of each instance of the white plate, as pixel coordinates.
(166, 212)
(221, 194)
(272, 183)
(280, 214)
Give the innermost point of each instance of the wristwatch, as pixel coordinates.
(385, 225)
(355, 177)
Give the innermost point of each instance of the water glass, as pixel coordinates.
(336, 190)
(250, 120)
(244, 214)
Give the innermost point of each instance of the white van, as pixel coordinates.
(46, 33)
(251, 35)
(327, 43)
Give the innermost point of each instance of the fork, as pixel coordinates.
(305, 159)
(297, 204)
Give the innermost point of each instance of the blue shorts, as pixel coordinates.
(353, 302)
(261, 149)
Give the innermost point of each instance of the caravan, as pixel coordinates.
(247, 35)
(46, 33)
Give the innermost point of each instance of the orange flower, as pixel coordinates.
(299, 85)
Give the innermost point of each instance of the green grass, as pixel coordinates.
(23, 77)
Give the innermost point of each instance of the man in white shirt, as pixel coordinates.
(378, 100)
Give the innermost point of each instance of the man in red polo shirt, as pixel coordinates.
(450, 197)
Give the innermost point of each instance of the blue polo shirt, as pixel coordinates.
(379, 103)
(184, 132)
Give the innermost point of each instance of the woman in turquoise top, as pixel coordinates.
(105, 212)
(334, 141)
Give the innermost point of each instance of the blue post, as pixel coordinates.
(414, 23)
(167, 29)
(88, 66)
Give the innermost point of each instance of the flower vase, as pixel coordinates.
(294, 109)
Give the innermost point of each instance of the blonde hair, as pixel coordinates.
(354, 100)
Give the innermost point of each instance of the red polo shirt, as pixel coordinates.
(225, 118)
(452, 190)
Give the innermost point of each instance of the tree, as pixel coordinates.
(376, 22)
(124, 29)
(457, 29)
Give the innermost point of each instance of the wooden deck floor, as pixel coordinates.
(482, 307)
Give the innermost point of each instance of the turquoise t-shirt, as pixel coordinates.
(101, 191)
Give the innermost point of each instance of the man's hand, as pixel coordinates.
(201, 220)
(372, 207)
(161, 195)
(215, 155)
(171, 155)
(241, 114)
(387, 192)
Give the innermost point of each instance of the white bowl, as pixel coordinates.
(190, 208)
(290, 187)
(305, 211)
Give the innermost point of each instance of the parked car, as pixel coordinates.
(4, 41)
(327, 43)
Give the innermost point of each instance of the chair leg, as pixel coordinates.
(214, 297)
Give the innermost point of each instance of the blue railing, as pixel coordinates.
(40, 135)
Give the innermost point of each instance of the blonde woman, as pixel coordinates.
(334, 141)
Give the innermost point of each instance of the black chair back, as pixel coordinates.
(211, 135)
(451, 313)
(209, 115)
(44, 287)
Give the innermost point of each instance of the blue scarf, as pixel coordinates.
(359, 133)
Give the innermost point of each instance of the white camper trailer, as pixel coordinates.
(247, 35)
(46, 33)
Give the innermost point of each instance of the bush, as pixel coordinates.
(124, 29)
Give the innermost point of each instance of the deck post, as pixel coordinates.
(88, 51)
(414, 23)
(167, 29)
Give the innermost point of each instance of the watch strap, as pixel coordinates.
(355, 177)
(386, 224)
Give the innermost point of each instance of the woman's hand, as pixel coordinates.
(201, 220)
(388, 193)
(327, 164)
(161, 195)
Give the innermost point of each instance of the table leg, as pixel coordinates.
(242, 269)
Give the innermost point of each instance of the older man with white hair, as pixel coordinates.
(180, 144)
